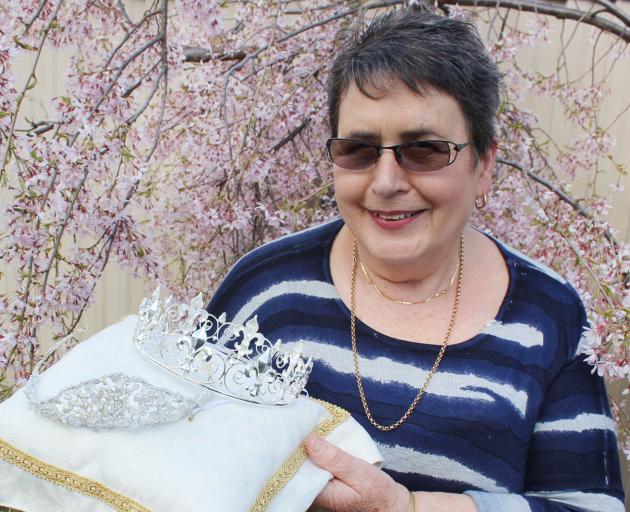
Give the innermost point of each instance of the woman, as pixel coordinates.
(508, 417)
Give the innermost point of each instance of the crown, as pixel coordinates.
(195, 345)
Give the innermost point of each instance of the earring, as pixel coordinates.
(480, 202)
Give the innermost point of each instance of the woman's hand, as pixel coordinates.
(356, 485)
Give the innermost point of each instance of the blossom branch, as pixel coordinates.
(80, 186)
(237, 67)
(122, 68)
(540, 180)
(291, 135)
(139, 82)
(201, 55)
(123, 12)
(585, 263)
(29, 23)
(164, 74)
(128, 35)
(28, 85)
(164, 58)
(621, 30)
(156, 83)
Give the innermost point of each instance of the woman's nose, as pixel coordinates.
(389, 177)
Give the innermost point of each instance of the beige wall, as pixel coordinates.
(579, 55)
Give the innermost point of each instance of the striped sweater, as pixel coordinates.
(513, 417)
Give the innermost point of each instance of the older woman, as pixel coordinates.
(508, 417)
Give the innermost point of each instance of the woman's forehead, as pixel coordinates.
(401, 112)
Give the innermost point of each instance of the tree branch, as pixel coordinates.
(538, 179)
(557, 11)
(138, 83)
(197, 54)
(561, 195)
(622, 30)
(30, 22)
(37, 128)
(128, 35)
(133, 118)
(123, 12)
(164, 73)
(27, 86)
(612, 8)
(291, 135)
(122, 68)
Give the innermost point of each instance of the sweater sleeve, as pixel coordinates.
(573, 461)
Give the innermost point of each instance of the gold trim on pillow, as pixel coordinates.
(292, 464)
(68, 479)
(118, 502)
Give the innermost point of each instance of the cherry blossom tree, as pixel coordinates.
(194, 132)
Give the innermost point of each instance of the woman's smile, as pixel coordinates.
(395, 219)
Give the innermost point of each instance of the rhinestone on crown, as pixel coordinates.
(193, 344)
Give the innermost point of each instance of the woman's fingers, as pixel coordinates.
(342, 465)
(337, 496)
(357, 486)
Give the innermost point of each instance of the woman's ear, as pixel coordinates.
(485, 167)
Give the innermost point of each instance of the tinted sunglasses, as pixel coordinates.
(414, 156)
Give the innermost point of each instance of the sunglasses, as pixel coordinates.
(415, 156)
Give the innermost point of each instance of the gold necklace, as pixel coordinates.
(410, 302)
(438, 359)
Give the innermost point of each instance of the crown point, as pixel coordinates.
(193, 344)
(197, 302)
(251, 327)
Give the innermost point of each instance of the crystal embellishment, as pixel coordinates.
(193, 344)
(113, 401)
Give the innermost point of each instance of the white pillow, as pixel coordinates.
(230, 457)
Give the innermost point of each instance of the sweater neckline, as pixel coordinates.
(510, 262)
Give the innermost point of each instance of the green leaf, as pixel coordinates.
(23, 45)
(32, 83)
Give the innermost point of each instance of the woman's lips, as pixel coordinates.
(394, 219)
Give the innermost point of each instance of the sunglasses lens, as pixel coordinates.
(425, 156)
(351, 154)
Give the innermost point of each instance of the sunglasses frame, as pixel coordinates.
(453, 148)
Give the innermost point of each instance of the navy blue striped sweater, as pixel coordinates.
(513, 416)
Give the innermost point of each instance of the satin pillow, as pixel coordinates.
(229, 457)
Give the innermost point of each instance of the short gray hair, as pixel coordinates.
(423, 50)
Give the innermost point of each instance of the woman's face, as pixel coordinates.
(437, 204)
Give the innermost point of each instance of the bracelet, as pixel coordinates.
(412, 502)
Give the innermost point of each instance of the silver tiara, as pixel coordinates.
(231, 359)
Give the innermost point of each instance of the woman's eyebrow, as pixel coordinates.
(407, 135)
(363, 135)
(419, 133)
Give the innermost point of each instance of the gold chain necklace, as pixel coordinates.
(410, 302)
(438, 359)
